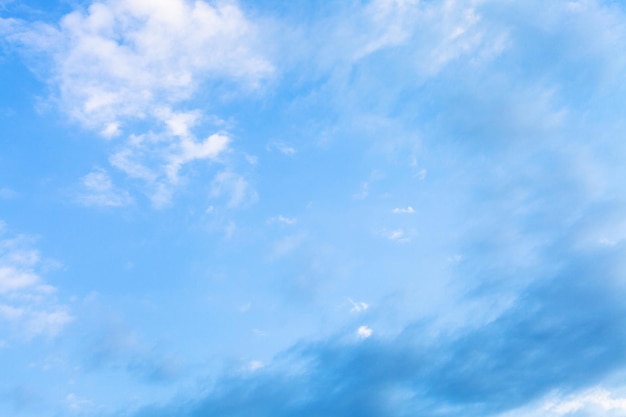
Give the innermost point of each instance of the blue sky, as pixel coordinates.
(272, 208)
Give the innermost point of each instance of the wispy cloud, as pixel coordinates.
(397, 235)
(116, 347)
(358, 306)
(234, 188)
(281, 147)
(28, 305)
(100, 191)
(286, 245)
(364, 332)
(122, 60)
(289, 221)
(594, 399)
(255, 365)
(399, 210)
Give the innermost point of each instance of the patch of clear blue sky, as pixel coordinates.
(498, 124)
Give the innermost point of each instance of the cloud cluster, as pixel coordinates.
(28, 305)
(121, 60)
(127, 68)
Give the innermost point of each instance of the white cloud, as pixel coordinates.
(190, 150)
(358, 307)
(157, 159)
(100, 191)
(289, 221)
(255, 366)
(118, 58)
(111, 130)
(119, 62)
(397, 235)
(408, 210)
(364, 332)
(12, 279)
(27, 303)
(597, 398)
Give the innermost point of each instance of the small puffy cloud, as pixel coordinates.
(100, 191)
(408, 210)
(364, 332)
(255, 365)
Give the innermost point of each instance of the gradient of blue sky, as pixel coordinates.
(297, 208)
